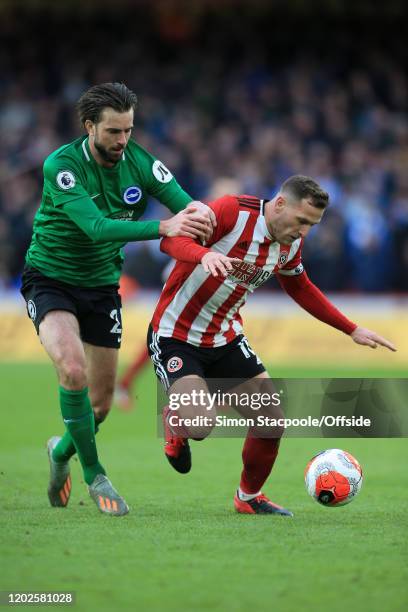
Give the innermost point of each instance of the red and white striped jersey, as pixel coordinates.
(203, 310)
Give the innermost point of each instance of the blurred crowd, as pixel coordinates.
(228, 110)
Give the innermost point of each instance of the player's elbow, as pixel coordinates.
(95, 237)
(96, 232)
(164, 245)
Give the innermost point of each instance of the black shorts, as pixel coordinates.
(98, 309)
(173, 359)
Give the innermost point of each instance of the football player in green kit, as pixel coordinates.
(95, 190)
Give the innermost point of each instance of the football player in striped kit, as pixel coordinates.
(196, 331)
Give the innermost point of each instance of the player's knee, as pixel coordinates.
(200, 426)
(200, 433)
(102, 402)
(100, 414)
(101, 411)
(72, 375)
(269, 424)
(277, 432)
(280, 419)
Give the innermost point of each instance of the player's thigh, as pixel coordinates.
(52, 307)
(191, 402)
(59, 334)
(102, 364)
(180, 369)
(260, 394)
(191, 396)
(258, 400)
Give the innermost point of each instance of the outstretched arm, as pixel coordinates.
(66, 185)
(87, 216)
(308, 296)
(364, 336)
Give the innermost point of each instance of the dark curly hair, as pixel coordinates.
(107, 95)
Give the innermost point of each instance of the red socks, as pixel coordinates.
(258, 456)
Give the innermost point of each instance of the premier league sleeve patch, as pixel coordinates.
(66, 180)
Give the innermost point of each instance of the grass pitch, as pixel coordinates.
(182, 547)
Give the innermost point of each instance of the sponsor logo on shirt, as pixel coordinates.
(248, 275)
(161, 173)
(65, 179)
(132, 195)
(123, 215)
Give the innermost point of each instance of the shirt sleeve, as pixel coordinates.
(64, 181)
(162, 185)
(87, 216)
(66, 187)
(185, 249)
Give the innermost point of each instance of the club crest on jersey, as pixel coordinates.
(161, 173)
(132, 195)
(174, 364)
(65, 179)
(283, 257)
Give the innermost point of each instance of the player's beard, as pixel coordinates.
(104, 153)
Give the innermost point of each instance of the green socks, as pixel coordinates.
(65, 448)
(80, 436)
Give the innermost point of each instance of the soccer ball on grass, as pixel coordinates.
(333, 477)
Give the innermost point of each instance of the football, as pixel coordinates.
(333, 477)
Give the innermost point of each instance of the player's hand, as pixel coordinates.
(188, 222)
(369, 338)
(206, 211)
(217, 263)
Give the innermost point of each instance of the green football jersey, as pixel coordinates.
(79, 230)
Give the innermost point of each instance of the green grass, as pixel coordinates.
(182, 547)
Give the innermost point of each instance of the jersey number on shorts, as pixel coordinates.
(247, 350)
(116, 329)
